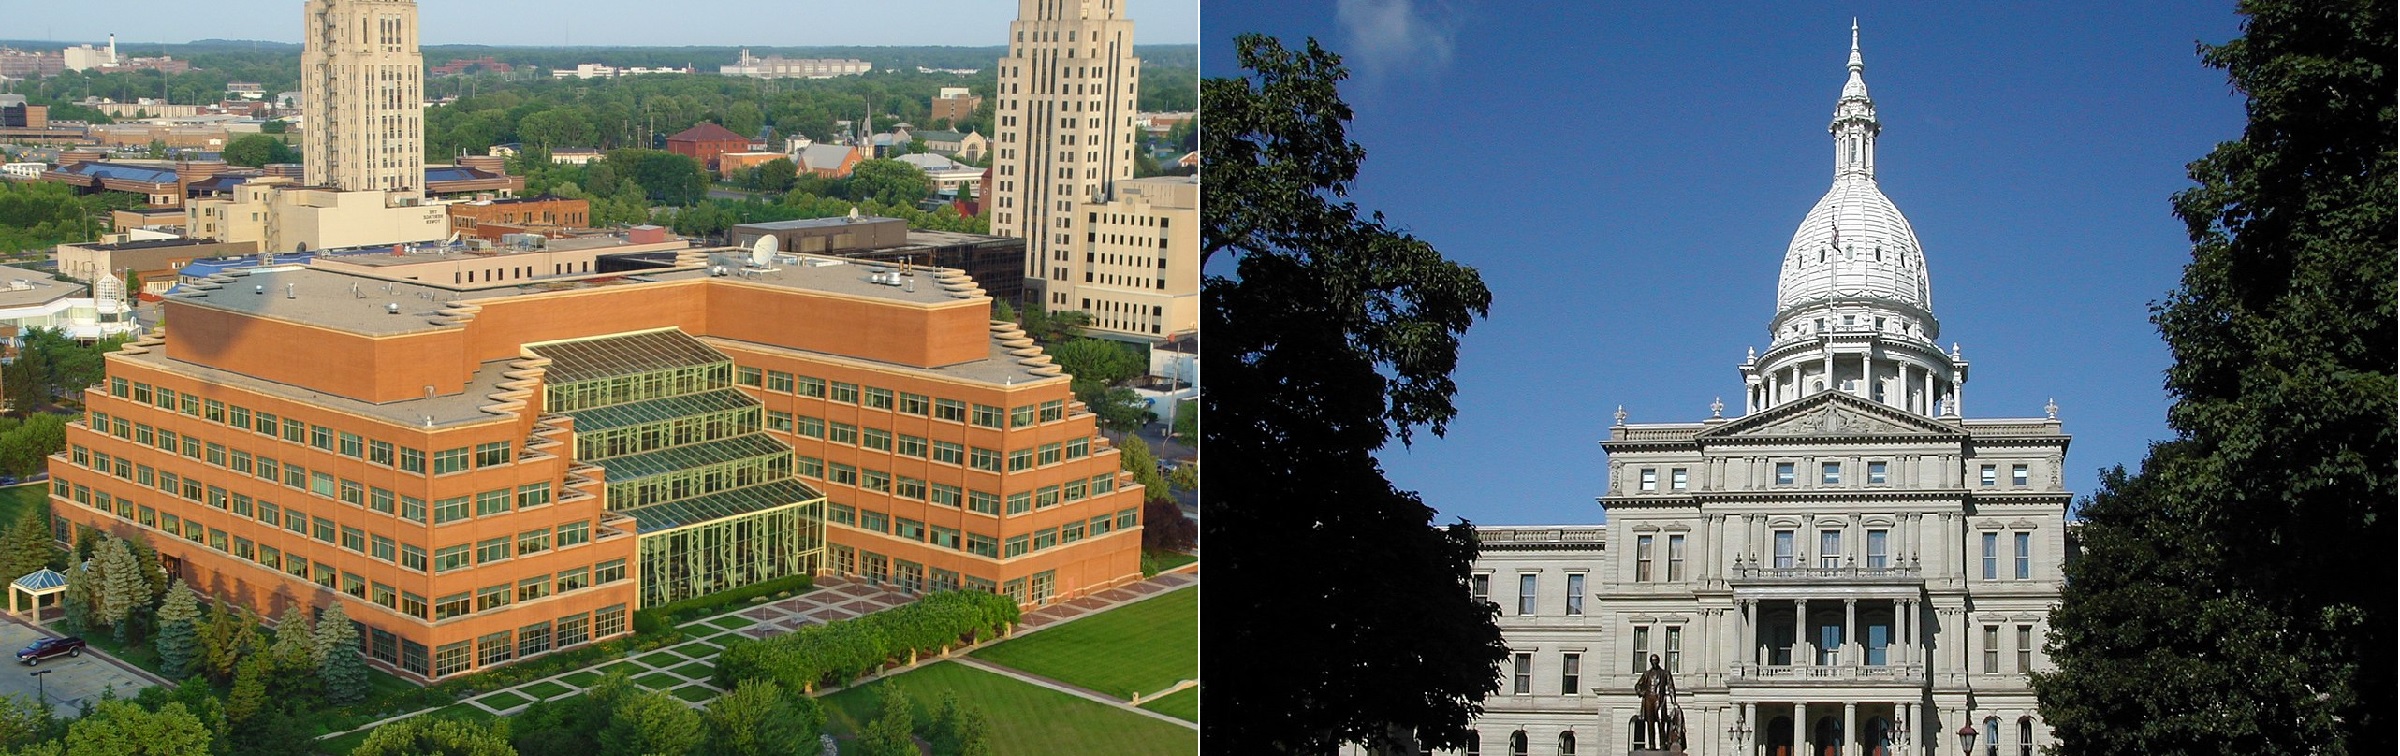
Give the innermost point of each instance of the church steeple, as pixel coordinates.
(1854, 126)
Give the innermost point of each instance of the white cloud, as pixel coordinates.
(1395, 35)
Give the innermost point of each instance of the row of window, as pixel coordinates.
(909, 576)
(977, 543)
(319, 437)
(378, 546)
(906, 403)
(530, 640)
(980, 502)
(919, 447)
(1829, 474)
(1570, 674)
(1529, 590)
(317, 482)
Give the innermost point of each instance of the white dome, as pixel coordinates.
(1854, 246)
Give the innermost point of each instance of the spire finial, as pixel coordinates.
(1620, 415)
(2051, 409)
(1857, 62)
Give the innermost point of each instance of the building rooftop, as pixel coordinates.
(832, 222)
(20, 287)
(706, 132)
(581, 360)
(148, 244)
(464, 407)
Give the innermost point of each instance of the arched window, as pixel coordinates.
(1640, 737)
(1991, 736)
(1519, 746)
(1474, 743)
(1566, 743)
(2025, 736)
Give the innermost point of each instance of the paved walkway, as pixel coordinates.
(69, 681)
(683, 670)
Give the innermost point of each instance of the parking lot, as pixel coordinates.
(69, 681)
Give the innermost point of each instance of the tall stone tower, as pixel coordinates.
(362, 95)
(1065, 125)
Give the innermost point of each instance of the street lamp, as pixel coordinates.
(1966, 739)
(40, 686)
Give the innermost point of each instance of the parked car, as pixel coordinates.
(45, 648)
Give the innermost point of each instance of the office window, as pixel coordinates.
(1832, 473)
(533, 495)
(385, 548)
(1524, 676)
(450, 509)
(1784, 555)
(1876, 473)
(1991, 649)
(987, 460)
(1526, 582)
(781, 382)
(1649, 480)
(1679, 479)
(1020, 460)
(608, 572)
(492, 454)
(949, 453)
(487, 599)
(2024, 648)
(1991, 475)
(1480, 584)
(412, 558)
(491, 503)
(412, 460)
(533, 588)
(354, 539)
(951, 410)
(1829, 548)
(989, 416)
(449, 461)
(1877, 544)
(352, 445)
(2017, 475)
(1570, 674)
(452, 557)
(1783, 474)
(876, 398)
(453, 605)
(1575, 594)
(2024, 556)
(380, 452)
(573, 533)
(914, 404)
(574, 579)
(1674, 558)
(1674, 649)
(1991, 556)
(845, 393)
(1641, 649)
(910, 446)
(533, 541)
(1641, 558)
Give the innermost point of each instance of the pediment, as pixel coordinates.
(1830, 414)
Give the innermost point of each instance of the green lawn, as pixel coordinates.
(543, 690)
(1182, 704)
(693, 693)
(14, 500)
(1026, 720)
(503, 699)
(1144, 647)
(1155, 561)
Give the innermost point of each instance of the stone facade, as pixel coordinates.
(1064, 129)
(364, 96)
(1847, 563)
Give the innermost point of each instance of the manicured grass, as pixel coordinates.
(626, 667)
(542, 690)
(693, 693)
(503, 699)
(698, 670)
(657, 681)
(1143, 647)
(735, 622)
(1155, 561)
(1026, 720)
(14, 500)
(1182, 704)
(583, 679)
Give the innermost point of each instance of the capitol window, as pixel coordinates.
(1649, 479)
(1678, 479)
(1783, 473)
(1675, 558)
(1570, 674)
(2024, 556)
(1525, 673)
(1878, 541)
(1832, 473)
(1783, 549)
(1991, 556)
(1574, 594)
(1641, 558)
(1829, 549)
(2017, 475)
(1481, 585)
(1526, 582)
(1991, 475)
(1875, 474)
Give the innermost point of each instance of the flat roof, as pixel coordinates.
(838, 220)
(40, 288)
(149, 244)
(440, 411)
(588, 359)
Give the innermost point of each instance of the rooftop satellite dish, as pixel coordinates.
(762, 252)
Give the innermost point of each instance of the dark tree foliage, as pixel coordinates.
(255, 150)
(2234, 596)
(1349, 612)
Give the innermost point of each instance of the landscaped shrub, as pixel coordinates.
(669, 615)
(839, 652)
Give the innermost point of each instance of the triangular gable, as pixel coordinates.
(1831, 413)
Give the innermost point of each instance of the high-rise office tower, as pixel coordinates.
(362, 96)
(1065, 124)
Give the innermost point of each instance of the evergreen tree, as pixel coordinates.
(2220, 603)
(249, 696)
(894, 729)
(121, 586)
(295, 639)
(974, 734)
(339, 665)
(27, 547)
(179, 650)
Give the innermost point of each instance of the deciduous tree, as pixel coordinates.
(432, 736)
(757, 719)
(1330, 333)
(2213, 607)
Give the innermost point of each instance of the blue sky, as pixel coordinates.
(1627, 176)
(779, 23)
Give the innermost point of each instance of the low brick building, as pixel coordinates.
(527, 213)
(707, 141)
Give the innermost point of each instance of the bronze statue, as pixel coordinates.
(1662, 719)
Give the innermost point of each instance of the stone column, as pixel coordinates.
(1908, 718)
(1799, 727)
(1804, 648)
(1849, 728)
(1750, 630)
(1830, 385)
(1929, 398)
(1848, 653)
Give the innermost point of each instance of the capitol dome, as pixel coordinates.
(1854, 246)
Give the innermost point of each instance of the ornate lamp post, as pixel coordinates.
(1966, 739)
(1740, 731)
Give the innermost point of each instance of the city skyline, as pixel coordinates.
(1667, 159)
(608, 23)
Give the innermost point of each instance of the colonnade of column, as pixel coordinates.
(1902, 650)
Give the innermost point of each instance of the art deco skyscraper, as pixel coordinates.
(362, 95)
(1065, 124)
